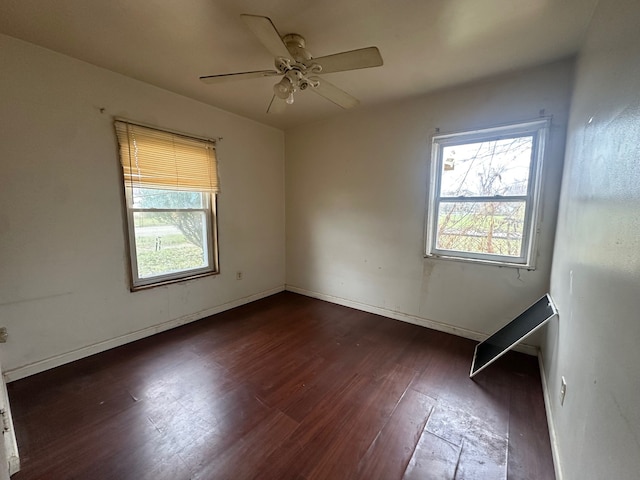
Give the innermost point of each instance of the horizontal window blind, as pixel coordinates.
(154, 158)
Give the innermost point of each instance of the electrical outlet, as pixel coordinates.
(238, 275)
(563, 390)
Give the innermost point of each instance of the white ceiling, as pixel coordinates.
(426, 44)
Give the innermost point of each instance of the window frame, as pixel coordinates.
(209, 210)
(210, 200)
(539, 130)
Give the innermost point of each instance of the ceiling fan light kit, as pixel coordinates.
(298, 68)
(293, 80)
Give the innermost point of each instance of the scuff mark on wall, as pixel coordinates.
(627, 422)
(427, 271)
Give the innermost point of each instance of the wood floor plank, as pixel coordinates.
(433, 459)
(342, 456)
(529, 449)
(483, 446)
(290, 382)
(390, 453)
(73, 411)
(144, 461)
(423, 347)
(287, 388)
(243, 459)
(483, 457)
(94, 445)
(322, 427)
(345, 360)
(446, 377)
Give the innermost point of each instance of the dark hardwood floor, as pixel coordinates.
(287, 387)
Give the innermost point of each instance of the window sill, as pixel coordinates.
(160, 283)
(478, 261)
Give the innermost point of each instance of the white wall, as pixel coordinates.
(356, 189)
(63, 263)
(596, 270)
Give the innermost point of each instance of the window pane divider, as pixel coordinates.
(501, 198)
(169, 210)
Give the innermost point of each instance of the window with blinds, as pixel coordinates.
(170, 184)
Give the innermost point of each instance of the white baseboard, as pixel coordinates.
(57, 360)
(405, 317)
(551, 424)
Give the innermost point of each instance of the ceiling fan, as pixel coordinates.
(298, 68)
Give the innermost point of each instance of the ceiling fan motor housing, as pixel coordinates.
(297, 68)
(297, 47)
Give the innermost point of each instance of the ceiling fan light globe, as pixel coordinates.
(290, 99)
(282, 89)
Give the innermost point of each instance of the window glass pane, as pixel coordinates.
(168, 242)
(495, 167)
(481, 227)
(154, 198)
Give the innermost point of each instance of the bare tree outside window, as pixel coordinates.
(493, 168)
(482, 195)
(170, 230)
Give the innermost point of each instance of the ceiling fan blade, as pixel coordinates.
(277, 105)
(336, 95)
(265, 30)
(352, 60)
(238, 76)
